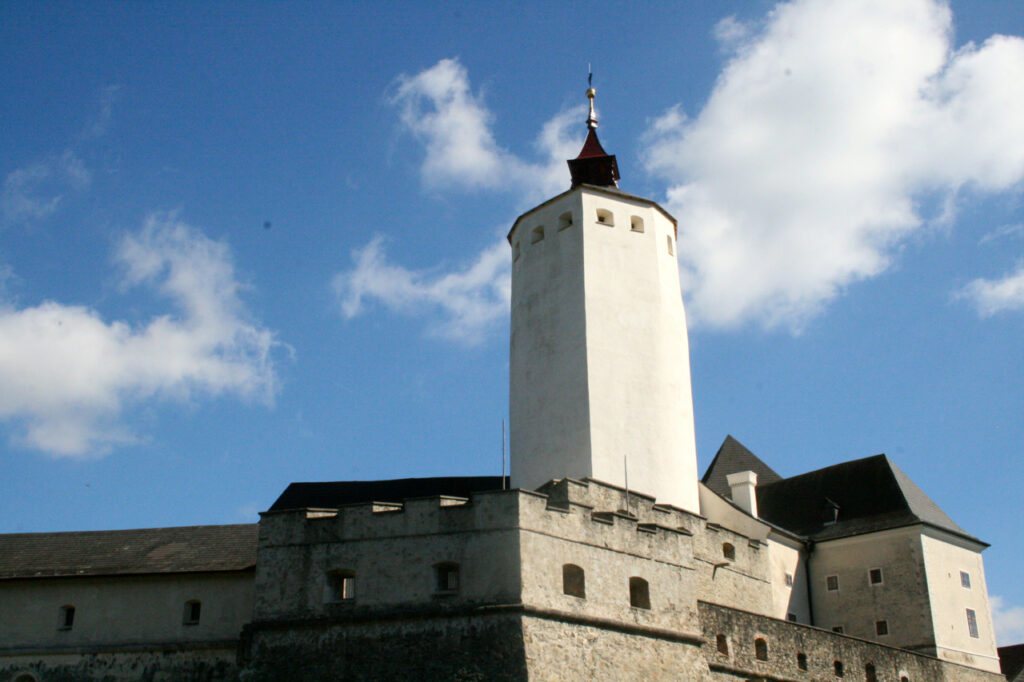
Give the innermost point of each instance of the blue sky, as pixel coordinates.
(248, 244)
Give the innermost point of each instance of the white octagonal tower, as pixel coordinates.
(600, 369)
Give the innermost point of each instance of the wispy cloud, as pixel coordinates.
(464, 303)
(35, 192)
(1015, 230)
(69, 375)
(439, 108)
(801, 174)
(1009, 621)
(992, 296)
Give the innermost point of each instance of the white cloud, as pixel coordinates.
(996, 296)
(1008, 620)
(68, 375)
(804, 171)
(1014, 230)
(469, 300)
(36, 191)
(440, 109)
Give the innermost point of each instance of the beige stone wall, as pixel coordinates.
(743, 582)
(945, 556)
(185, 664)
(123, 609)
(901, 599)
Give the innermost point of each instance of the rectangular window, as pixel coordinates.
(965, 579)
(972, 623)
(67, 617)
(832, 583)
(875, 576)
(791, 617)
(881, 628)
(789, 580)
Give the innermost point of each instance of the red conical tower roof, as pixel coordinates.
(593, 166)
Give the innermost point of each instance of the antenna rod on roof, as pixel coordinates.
(503, 485)
(625, 469)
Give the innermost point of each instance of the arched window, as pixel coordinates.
(904, 678)
(837, 666)
(761, 649)
(636, 223)
(728, 551)
(538, 234)
(801, 661)
(446, 576)
(67, 617)
(604, 216)
(565, 220)
(341, 586)
(574, 582)
(193, 607)
(722, 644)
(639, 593)
(869, 673)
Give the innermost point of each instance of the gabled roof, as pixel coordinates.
(339, 493)
(1011, 662)
(733, 457)
(187, 549)
(861, 496)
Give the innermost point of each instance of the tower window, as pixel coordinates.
(722, 644)
(789, 580)
(972, 623)
(574, 581)
(565, 220)
(537, 235)
(965, 579)
(671, 248)
(801, 661)
(636, 224)
(447, 575)
(604, 216)
(193, 607)
(728, 551)
(761, 649)
(881, 628)
(875, 576)
(837, 666)
(67, 617)
(341, 586)
(832, 583)
(639, 593)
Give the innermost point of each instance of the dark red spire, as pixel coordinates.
(593, 166)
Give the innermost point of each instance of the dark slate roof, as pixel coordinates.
(1011, 661)
(187, 549)
(870, 494)
(731, 458)
(340, 493)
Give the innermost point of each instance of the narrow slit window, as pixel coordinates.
(574, 581)
(761, 649)
(972, 623)
(801, 661)
(965, 579)
(837, 667)
(67, 617)
(789, 580)
(639, 593)
(538, 234)
(565, 220)
(671, 247)
(193, 608)
(722, 644)
(447, 577)
(341, 586)
(636, 223)
(604, 216)
(832, 583)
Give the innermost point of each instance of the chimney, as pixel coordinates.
(743, 484)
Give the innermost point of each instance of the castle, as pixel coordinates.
(602, 557)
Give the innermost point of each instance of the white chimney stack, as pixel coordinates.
(743, 485)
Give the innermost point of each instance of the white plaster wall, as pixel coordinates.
(944, 557)
(786, 556)
(600, 370)
(123, 609)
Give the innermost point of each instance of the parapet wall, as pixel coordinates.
(732, 647)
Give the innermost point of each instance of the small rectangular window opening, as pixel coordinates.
(67, 617)
(965, 579)
(574, 581)
(972, 623)
(671, 248)
(341, 586)
(875, 576)
(538, 234)
(801, 661)
(789, 580)
(791, 617)
(565, 220)
(837, 629)
(881, 628)
(447, 577)
(639, 593)
(515, 252)
(193, 608)
(832, 583)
